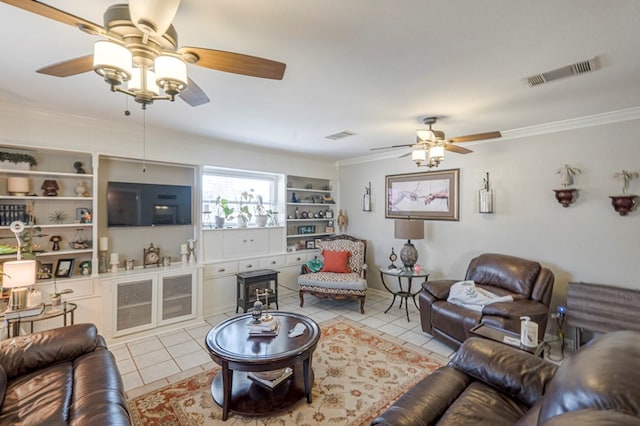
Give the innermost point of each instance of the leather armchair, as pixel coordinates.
(490, 383)
(64, 376)
(530, 285)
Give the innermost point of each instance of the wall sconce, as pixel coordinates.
(567, 196)
(485, 197)
(366, 200)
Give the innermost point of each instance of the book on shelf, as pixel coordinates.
(288, 372)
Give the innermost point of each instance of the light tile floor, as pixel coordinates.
(155, 361)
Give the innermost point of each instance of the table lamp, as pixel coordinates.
(18, 275)
(411, 230)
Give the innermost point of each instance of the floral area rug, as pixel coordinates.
(358, 373)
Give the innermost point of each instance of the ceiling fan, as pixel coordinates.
(142, 50)
(431, 144)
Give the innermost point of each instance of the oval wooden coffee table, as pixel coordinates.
(231, 347)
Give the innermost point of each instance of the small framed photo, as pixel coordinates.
(84, 215)
(64, 268)
(311, 244)
(45, 271)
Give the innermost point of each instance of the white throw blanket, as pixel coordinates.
(467, 295)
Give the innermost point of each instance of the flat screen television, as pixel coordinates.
(144, 204)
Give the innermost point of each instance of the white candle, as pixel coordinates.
(183, 249)
(104, 243)
(115, 258)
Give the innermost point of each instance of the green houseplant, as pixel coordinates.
(223, 211)
(262, 214)
(244, 214)
(16, 158)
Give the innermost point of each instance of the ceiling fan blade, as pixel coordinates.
(193, 94)
(236, 63)
(70, 67)
(391, 147)
(50, 12)
(476, 137)
(457, 149)
(405, 155)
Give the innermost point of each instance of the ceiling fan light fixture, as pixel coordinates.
(420, 155)
(426, 135)
(436, 152)
(171, 74)
(153, 16)
(112, 61)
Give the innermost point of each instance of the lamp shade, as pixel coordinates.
(136, 84)
(409, 229)
(436, 152)
(419, 155)
(153, 16)
(111, 58)
(19, 273)
(170, 68)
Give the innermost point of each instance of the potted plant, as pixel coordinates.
(262, 214)
(17, 161)
(56, 296)
(624, 203)
(223, 212)
(567, 196)
(244, 215)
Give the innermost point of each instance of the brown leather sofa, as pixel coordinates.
(526, 281)
(64, 376)
(490, 383)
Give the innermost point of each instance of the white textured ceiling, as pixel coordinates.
(373, 67)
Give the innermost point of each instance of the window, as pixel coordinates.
(229, 184)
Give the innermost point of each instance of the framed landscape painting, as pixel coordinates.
(428, 195)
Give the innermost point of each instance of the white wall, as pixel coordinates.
(587, 241)
(36, 128)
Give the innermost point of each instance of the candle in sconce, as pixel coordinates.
(115, 258)
(104, 243)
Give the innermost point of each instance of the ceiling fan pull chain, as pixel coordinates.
(144, 140)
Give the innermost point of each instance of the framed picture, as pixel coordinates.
(84, 215)
(45, 271)
(311, 244)
(64, 268)
(429, 195)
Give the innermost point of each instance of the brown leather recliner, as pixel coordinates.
(490, 383)
(64, 376)
(526, 281)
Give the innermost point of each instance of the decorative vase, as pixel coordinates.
(56, 300)
(623, 204)
(242, 222)
(261, 220)
(18, 186)
(219, 221)
(566, 196)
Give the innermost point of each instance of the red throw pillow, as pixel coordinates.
(336, 261)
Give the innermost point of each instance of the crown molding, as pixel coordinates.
(523, 132)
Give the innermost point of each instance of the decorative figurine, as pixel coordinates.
(56, 242)
(81, 189)
(293, 197)
(79, 169)
(343, 220)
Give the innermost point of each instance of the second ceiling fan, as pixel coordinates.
(430, 144)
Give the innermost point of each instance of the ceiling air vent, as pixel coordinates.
(566, 71)
(340, 135)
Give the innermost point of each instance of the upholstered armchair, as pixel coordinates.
(343, 272)
(527, 282)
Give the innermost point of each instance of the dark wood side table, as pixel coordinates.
(404, 295)
(248, 282)
(231, 347)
